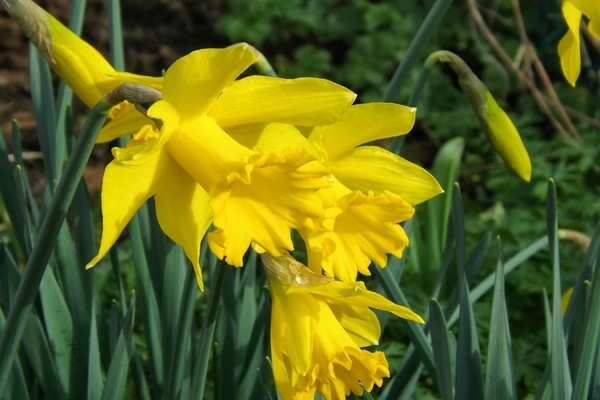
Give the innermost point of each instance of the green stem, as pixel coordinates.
(428, 27)
(208, 330)
(36, 265)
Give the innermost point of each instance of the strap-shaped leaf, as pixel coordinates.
(441, 351)
(499, 377)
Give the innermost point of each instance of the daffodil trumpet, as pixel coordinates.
(319, 327)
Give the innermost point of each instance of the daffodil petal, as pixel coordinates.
(194, 81)
(356, 294)
(362, 325)
(589, 7)
(569, 47)
(270, 138)
(125, 187)
(155, 82)
(594, 27)
(386, 171)
(361, 124)
(366, 229)
(277, 193)
(124, 120)
(207, 152)
(302, 101)
(79, 65)
(298, 329)
(184, 214)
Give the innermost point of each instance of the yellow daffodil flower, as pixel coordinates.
(318, 326)
(569, 47)
(192, 165)
(374, 190)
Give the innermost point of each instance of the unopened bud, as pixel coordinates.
(496, 124)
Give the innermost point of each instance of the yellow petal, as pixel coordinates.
(361, 324)
(194, 81)
(302, 101)
(155, 82)
(125, 187)
(370, 168)
(366, 229)
(276, 194)
(205, 151)
(293, 317)
(569, 47)
(361, 124)
(356, 294)
(270, 138)
(505, 138)
(590, 8)
(594, 27)
(184, 214)
(124, 120)
(79, 65)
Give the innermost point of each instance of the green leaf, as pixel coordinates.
(207, 333)
(94, 368)
(591, 333)
(415, 332)
(116, 378)
(499, 377)
(14, 205)
(469, 378)
(180, 352)
(48, 233)
(149, 308)
(59, 326)
(441, 351)
(445, 169)
(42, 98)
(510, 265)
(560, 376)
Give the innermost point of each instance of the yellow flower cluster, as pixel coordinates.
(258, 157)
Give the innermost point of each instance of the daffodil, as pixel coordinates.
(373, 191)
(569, 47)
(199, 174)
(318, 329)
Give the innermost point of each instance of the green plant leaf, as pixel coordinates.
(94, 368)
(559, 362)
(59, 326)
(42, 98)
(445, 169)
(499, 377)
(469, 378)
(116, 378)
(591, 333)
(441, 351)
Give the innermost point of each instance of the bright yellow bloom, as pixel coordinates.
(199, 174)
(318, 327)
(569, 46)
(373, 191)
